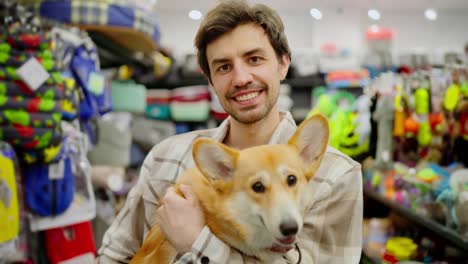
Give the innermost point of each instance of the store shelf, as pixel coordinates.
(445, 232)
(306, 82)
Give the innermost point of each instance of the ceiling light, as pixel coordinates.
(195, 14)
(373, 14)
(315, 13)
(430, 14)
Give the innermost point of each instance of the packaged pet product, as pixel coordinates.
(49, 188)
(190, 104)
(70, 244)
(157, 104)
(9, 208)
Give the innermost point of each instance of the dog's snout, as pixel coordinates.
(289, 228)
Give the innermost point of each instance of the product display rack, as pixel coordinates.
(443, 231)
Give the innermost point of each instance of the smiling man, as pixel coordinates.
(244, 53)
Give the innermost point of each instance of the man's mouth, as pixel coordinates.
(247, 97)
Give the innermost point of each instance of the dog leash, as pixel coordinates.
(300, 254)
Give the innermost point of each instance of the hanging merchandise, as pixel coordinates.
(347, 118)
(94, 85)
(384, 115)
(49, 188)
(18, 97)
(70, 244)
(87, 90)
(461, 140)
(9, 207)
(73, 201)
(342, 121)
(34, 97)
(321, 102)
(422, 103)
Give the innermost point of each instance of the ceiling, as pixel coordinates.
(298, 5)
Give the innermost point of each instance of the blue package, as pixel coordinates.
(46, 196)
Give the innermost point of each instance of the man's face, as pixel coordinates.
(246, 73)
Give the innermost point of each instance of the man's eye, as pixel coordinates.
(255, 59)
(224, 68)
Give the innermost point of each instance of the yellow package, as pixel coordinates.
(9, 210)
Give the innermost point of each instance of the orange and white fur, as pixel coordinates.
(254, 199)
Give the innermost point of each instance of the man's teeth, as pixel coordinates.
(246, 97)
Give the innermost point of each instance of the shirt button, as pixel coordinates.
(205, 260)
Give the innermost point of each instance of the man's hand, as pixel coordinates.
(181, 219)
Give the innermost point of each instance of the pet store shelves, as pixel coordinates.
(306, 82)
(445, 232)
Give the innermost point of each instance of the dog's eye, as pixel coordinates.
(258, 187)
(292, 180)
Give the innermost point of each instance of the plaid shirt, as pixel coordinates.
(332, 228)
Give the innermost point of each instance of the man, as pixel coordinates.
(244, 53)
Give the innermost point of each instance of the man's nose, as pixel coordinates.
(242, 76)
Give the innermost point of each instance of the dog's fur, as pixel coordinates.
(223, 182)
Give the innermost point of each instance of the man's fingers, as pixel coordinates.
(159, 214)
(171, 196)
(188, 193)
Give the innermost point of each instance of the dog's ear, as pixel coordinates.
(311, 140)
(216, 161)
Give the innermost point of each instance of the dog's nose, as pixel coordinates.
(288, 228)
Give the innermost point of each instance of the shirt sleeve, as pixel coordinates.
(333, 228)
(209, 249)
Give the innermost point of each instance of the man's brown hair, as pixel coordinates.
(228, 15)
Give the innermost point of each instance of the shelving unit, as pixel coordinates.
(443, 231)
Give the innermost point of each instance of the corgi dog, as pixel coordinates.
(253, 199)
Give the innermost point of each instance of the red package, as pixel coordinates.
(70, 244)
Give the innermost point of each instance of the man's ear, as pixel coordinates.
(284, 63)
(311, 140)
(215, 161)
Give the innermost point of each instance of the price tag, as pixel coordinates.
(33, 74)
(96, 83)
(56, 170)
